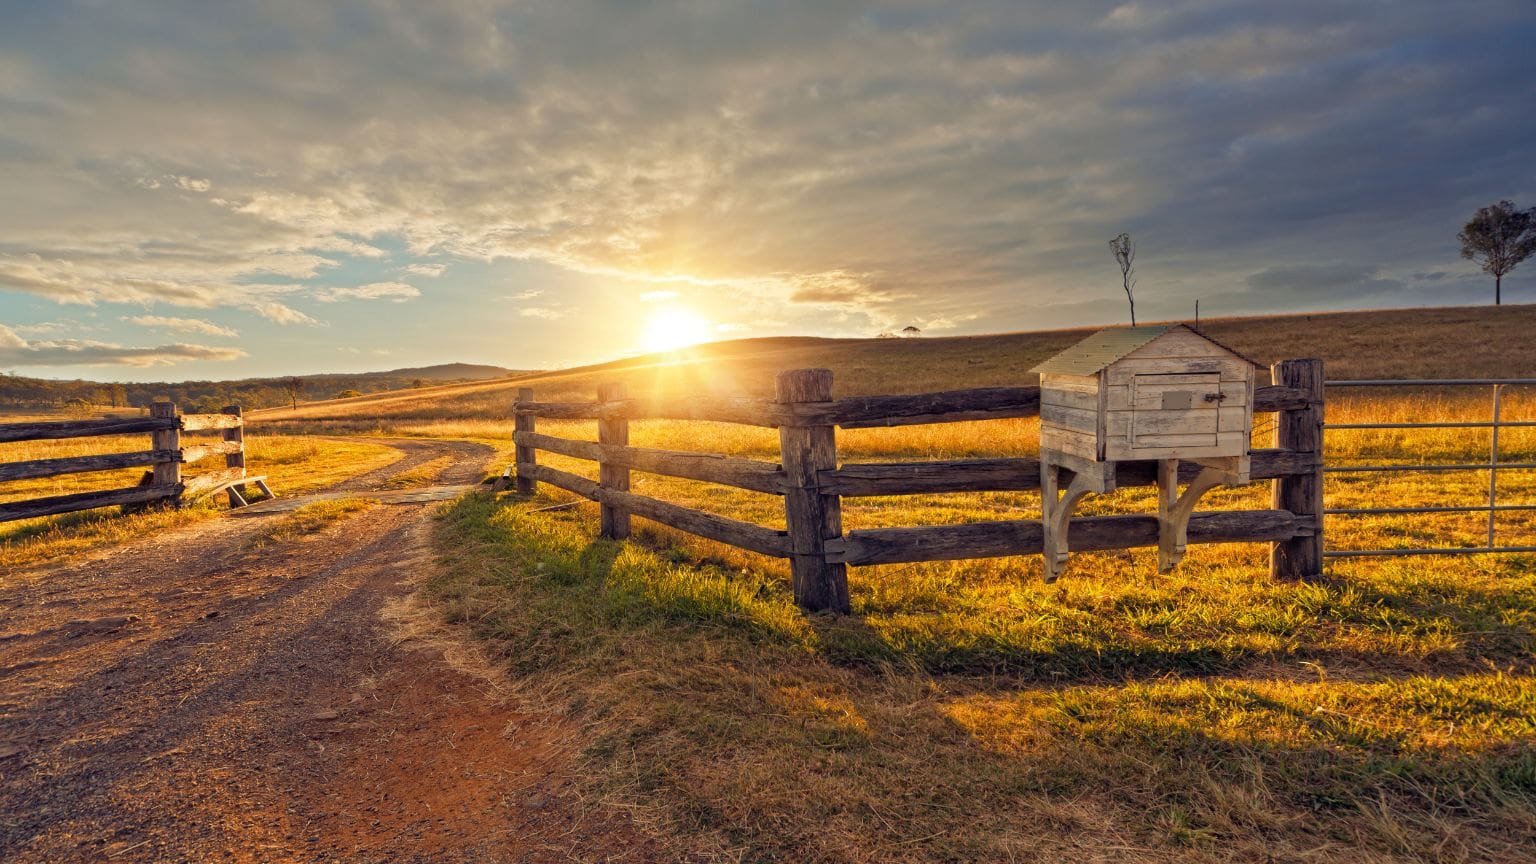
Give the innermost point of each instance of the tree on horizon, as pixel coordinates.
(1499, 237)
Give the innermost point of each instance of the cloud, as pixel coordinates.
(1323, 283)
(273, 311)
(657, 296)
(839, 288)
(183, 325)
(545, 312)
(16, 351)
(949, 323)
(835, 156)
(398, 292)
(42, 328)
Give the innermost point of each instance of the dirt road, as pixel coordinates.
(193, 697)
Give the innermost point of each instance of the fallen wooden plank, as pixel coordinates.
(202, 484)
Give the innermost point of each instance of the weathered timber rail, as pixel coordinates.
(812, 483)
(162, 484)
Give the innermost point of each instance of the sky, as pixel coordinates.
(217, 190)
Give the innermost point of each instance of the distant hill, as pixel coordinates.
(450, 372)
(18, 393)
(1470, 342)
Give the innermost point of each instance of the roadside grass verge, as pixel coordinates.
(309, 520)
(294, 465)
(968, 712)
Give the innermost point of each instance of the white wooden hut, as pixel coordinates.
(1161, 393)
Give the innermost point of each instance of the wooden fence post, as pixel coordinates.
(524, 456)
(812, 517)
(237, 458)
(614, 521)
(167, 474)
(1300, 429)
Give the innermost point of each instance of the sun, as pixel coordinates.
(674, 328)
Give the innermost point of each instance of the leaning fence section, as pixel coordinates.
(812, 483)
(163, 481)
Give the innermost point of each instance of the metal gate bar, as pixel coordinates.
(1493, 466)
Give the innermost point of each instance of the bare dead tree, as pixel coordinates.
(1124, 249)
(295, 388)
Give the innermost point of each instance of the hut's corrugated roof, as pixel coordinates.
(1106, 347)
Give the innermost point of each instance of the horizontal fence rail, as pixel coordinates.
(1493, 466)
(860, 412)
(812, 482)
(162, 484)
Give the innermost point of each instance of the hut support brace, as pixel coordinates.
(1175, 508)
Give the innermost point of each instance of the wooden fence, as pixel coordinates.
(813, 484)
(166, 455)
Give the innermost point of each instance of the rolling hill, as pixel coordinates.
(1398, 343)
(19, 392)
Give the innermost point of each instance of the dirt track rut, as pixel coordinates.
(193, 698)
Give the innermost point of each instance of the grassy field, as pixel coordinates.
(968, 712)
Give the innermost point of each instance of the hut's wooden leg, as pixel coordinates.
(1056, 515)
(1174, 509)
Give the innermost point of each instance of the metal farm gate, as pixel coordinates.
(1493, 466)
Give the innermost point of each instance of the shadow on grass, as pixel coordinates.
(1207, 763)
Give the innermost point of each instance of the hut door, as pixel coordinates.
(1175, 410)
